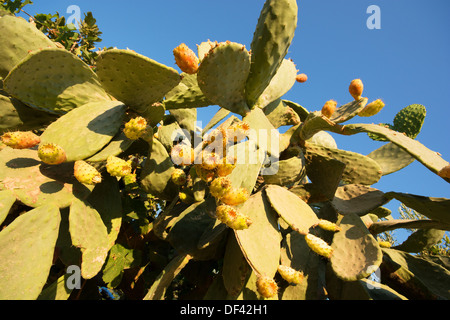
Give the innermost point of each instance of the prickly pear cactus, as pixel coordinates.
(103, 170)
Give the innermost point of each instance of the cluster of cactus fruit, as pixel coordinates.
(106, 170)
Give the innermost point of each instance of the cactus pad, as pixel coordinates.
(222, 75)
(92, 126)
(273, 35)
(26, 250)
(136, 80)
(19, 38)
(356, 253)
(56, 87)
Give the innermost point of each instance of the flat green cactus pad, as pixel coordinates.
(136, 80)
(261, 252)
(391, 158)
(19, 37)
(273, 35)
(89, 233)
(291, 208)
(26, 253)
(280, 84)
(54, 80)
(116, 146)
(222, 76)
(356, 253)
(349, 110)
(187, 94)
(34, 183)
(85, 130)
(410, 119)
(357, 199)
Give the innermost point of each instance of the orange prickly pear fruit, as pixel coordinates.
(238, 131)
(135, 128)
(51, 153)
(179, 177)
(266, 286)
(117, 167)
(328, 225)
(20, 139)
(85, 173)
(219, 187)
(301, 78)
(235, 196)
(182, 154)
(290, 275)
(232, 218)
(186, 59)
(372, 108)
(444, 172)
(318, 245)
(356, 88)
(329, 108)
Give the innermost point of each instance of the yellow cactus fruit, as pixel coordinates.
(209, 160)
(85, 173)
(185, 197)
(179, 177)
(232, 217)
(219, 187)
(238, 131)
(182, 155)
(444, 172)
(51, 153)
(266, 286)
(117, 167)
(20, 139)
(301, 78)
(372, 108)
(318, 245)
(235, 196)
(186, 59)
(226, 166)
(384, 244)
(356, 89)
(328, 225)
(135, 128)
(205, 175)
(290, 275)
(329, 108)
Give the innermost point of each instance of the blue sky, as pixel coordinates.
(407, 61)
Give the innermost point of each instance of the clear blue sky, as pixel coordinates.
(406, 61)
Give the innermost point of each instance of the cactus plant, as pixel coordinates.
(142, 200)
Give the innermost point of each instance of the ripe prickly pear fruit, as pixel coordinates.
(85, 173)
(238, 131)
(329, 108)
(384, 244)
(117, 167)
(235, 197)
(266, 286)
(135, 128)
(186, 59)
(179, 177)
(20, 139)
(318, 245)
(219, 187)
(301, 78)
(182, 155)
(51, 153)
(227, 166)
(372, 108)
(290, 275)
(209, 160)
(205, 175)
(444, 172)
(185, 197)
(328, 225)
(356, 89)
(232, 218)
